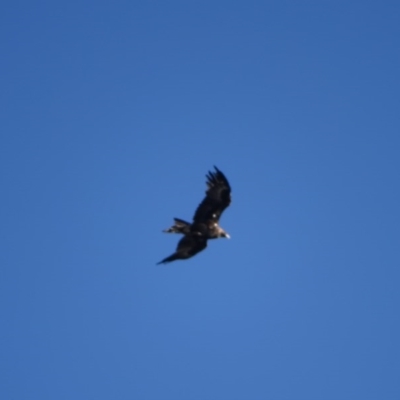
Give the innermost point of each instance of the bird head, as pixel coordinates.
(224, 234)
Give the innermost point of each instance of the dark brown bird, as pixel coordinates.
(205, 221)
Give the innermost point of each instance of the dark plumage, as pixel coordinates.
(205, 221)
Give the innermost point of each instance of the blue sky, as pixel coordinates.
(111, 115)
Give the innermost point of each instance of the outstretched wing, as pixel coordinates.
(187, 247)
(218, 197)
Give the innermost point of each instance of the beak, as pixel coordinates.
(227, 235)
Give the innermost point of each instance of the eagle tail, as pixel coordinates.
(180, 226)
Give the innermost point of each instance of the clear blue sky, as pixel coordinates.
(111, 115)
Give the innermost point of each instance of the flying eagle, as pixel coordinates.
(205, 221)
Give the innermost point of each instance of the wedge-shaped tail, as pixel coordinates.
(180, 226)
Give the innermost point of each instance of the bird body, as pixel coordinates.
(205, 220)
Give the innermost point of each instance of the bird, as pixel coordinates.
(205, 223)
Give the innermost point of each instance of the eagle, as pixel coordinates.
(205, 220)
